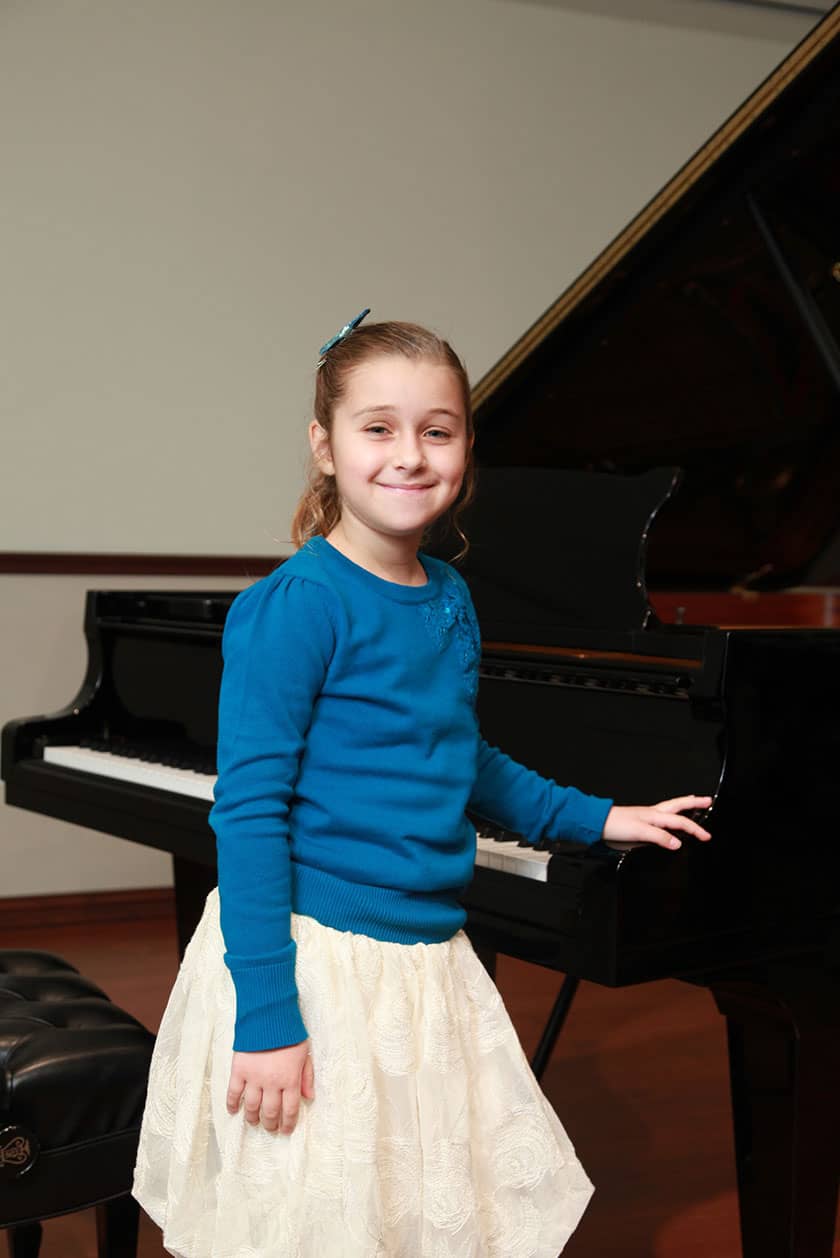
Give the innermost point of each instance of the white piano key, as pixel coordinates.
(126, 769)
(524, 862)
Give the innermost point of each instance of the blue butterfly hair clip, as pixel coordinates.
(339, 336)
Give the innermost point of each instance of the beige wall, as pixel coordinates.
(198, 192)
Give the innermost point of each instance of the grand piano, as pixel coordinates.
(659, 484)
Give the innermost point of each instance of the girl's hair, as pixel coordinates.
(319, 509)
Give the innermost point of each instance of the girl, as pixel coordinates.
(378, 1103)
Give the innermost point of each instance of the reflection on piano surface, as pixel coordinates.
(671, 422)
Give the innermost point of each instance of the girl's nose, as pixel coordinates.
(409, 453)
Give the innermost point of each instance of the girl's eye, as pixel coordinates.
(437, 433)
(376, 429)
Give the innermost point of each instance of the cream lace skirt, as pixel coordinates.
(428, 1136)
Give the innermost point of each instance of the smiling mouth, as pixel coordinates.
(404, 489)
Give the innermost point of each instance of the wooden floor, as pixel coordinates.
(638, 1079)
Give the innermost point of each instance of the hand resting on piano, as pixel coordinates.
(627, 826)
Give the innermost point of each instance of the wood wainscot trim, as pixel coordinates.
(87, 908)
(57, 563)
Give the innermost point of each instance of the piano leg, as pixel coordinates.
(783, 1026)
(193, 883)
(555, 1024)
(487, 956)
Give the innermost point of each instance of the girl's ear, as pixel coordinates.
(319, 443)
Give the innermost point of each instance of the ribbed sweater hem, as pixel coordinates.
(386, 913)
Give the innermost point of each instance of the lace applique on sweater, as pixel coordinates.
(449, 616)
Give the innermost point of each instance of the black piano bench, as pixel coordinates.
(73, 1071)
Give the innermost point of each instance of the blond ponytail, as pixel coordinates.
(318, 509)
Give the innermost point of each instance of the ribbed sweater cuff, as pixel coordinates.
(267, 1012)
(589, 824)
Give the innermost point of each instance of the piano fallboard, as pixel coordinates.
(155, 818)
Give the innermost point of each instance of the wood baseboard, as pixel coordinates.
(86, 908)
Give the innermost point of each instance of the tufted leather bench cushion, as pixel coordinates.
(73, 1071)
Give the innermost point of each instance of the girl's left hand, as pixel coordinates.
(627, 825)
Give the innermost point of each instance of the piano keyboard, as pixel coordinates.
(105, 764)
(492, 850)
(505, 854)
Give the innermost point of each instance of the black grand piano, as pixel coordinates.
(655, 564)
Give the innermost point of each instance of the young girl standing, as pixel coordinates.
(378, 1103)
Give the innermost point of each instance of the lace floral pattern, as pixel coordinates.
(428, 1136)
(449, 616)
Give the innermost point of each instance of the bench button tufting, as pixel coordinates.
(73, 1072)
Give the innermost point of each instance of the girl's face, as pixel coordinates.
(398, 446)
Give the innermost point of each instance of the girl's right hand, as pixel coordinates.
(627, 826)
(272, 1083)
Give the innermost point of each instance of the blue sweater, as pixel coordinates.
(348, 753)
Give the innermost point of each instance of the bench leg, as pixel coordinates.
(25, 1240)
(117, 1223)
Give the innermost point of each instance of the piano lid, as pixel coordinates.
(579, 544)
(707, 337)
